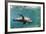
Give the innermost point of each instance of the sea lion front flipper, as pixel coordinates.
(24, 22)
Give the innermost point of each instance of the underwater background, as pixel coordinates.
(31, 12)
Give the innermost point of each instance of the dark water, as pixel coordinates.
(30, 12)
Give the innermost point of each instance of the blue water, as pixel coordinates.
(30, 12)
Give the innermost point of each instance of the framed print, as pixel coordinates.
(24, 16)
